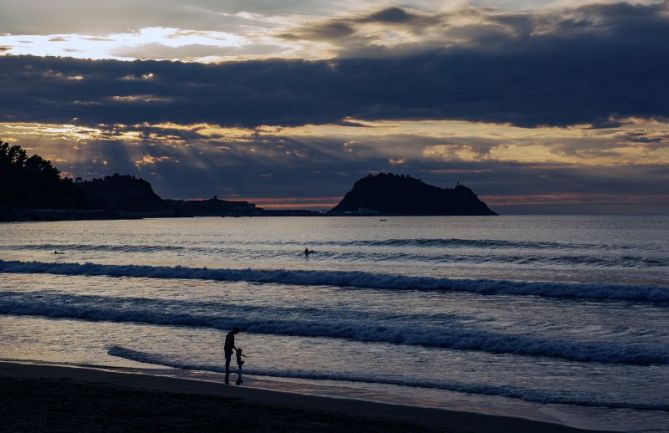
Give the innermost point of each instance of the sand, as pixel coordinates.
(52, 398)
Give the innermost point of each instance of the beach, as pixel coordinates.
(48, 398)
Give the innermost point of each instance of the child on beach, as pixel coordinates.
(240, 362)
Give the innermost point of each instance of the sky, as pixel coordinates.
(538, 106)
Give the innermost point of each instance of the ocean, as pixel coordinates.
(555, 318)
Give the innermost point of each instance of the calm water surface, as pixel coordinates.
(561, 318)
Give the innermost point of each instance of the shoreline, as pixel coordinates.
(146, 386)
(59, 215)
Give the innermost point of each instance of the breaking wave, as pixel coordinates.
(530, 395)
(467, 243)
(447, 333)
(353, 279)
(454, 243)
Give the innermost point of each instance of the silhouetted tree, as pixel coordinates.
(31, 182)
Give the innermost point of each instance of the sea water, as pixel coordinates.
(555, 318)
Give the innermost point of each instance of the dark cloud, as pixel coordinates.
(593, 63)
(391, 15)
(346, 28)
(325, 31)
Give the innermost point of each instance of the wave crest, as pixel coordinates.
(353, 279)
(301, 322)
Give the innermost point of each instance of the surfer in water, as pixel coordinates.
(307, 251)
(228, 348)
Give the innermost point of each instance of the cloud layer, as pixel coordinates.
(583, 65)
(568, 103)
(315, 164)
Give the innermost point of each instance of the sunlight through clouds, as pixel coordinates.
(636, 142)
(511, 97)
(109, 46)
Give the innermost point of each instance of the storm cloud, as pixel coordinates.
(594, 63)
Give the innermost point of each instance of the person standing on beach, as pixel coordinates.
(240, 362)
(228, 348)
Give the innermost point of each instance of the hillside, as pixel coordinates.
(121, 192)
(31, 189)
(390, 194)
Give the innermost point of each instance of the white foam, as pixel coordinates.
(376, 328)
(365, 280)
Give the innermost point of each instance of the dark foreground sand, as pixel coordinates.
(47, 398)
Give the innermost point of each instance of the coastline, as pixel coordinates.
(55, 215)
(268, 406)
(111, 215)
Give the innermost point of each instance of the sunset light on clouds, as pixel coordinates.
(290, 102)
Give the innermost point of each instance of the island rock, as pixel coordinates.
(390, 194)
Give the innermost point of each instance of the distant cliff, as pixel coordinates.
(121, 193)
(211, 207)
(390, 194)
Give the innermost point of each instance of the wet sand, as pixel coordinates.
(49, 398)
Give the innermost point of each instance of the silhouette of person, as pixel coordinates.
(228, 348)
(240, 362)
(306, 251)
